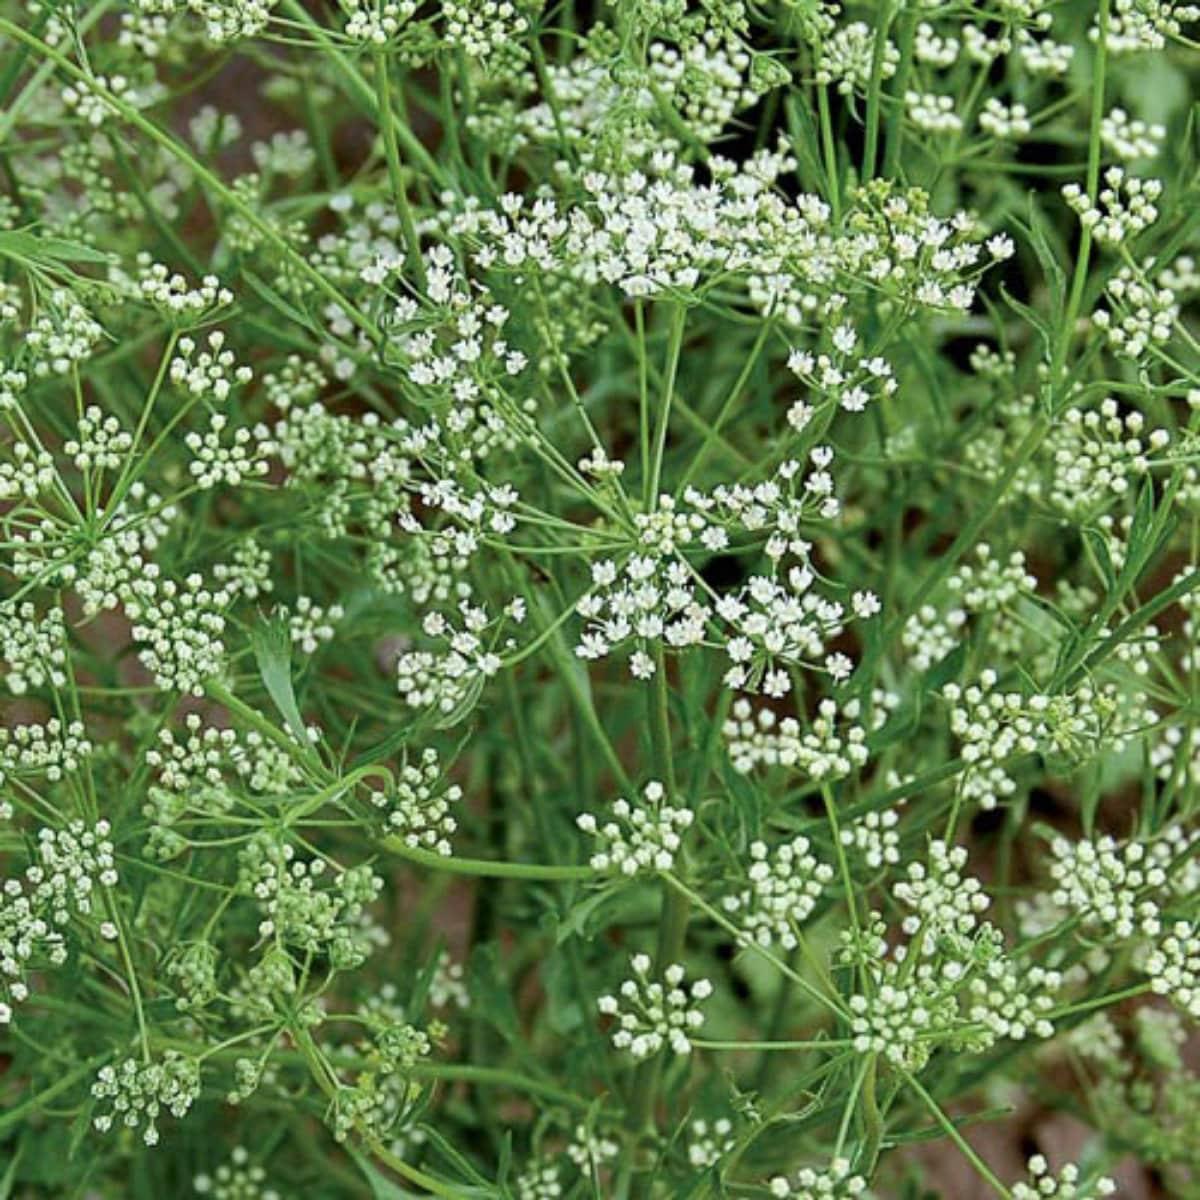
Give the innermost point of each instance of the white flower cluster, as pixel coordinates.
(1098, 454)
(33, 647)
(783, 889)
(447, 678)
(1173, 967)
(62, 335)
(211, 372)
(421, 812)
(1142, 312)
(944, 903)
(231, 462)
(1130, 139)
(837, 1182)
(52, 749)
(1139, 25)
(851, 382)
(1004, 120)
(994, 726)
(846, 58)
(178, 628)
(72, 864)
(832, 747)
(175, 298)
(646, 835)
(653, 1014)
(589, 1149)
(138, 1092)
(447, 988)
(932, 113)
(101, 443)
(375, 22)
(237, 1179)
(709, 1141)
(297, 910)
(875, 837)
(988, 585)
(1065, 1185)
(485, 29)
(1124, 207)
(662, 232)
(309, 624)
(1111, 887)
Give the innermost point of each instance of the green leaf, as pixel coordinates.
(23, 245)
(382, 1188)
(272, 645)
(1099, 547)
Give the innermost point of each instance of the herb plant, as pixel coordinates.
(598, 599)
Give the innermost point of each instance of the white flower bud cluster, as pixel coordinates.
(823, 752)
(836, 1182)
(1044, 56)
(178, 627)
(445, 679)
(1098, 455)
(944, 903)
(1139, 25)
(375, 22)
(238, 1179)
(653, 1014)
(1064, 1186)
(1129, 139)
(310, 625)
(645, 836)
(1109, 886)
(63, 333)
(72, 863)
(709, 1141)
(875, 837)
(231, 463)
(422, 810)
(211, 372)
(846, 58)
(198, 763)
(30, 474)
(288, 153)
(540, 1181)
(589, 1149)
(1124, 207)
(170, 293)
(101, 444)
(485, 29)
(51, 749)
(1174, 967)
(138, 1092)
(447, 988)
(993, 726)
(784, 887)
(931, 47)
(1142, 313)
(932, 113)
(248, 574)
(989, 585)
(900, 1021)
(90, 102)
(34, 648)
(1004, 120)
(296, 908)
(1011, 999)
